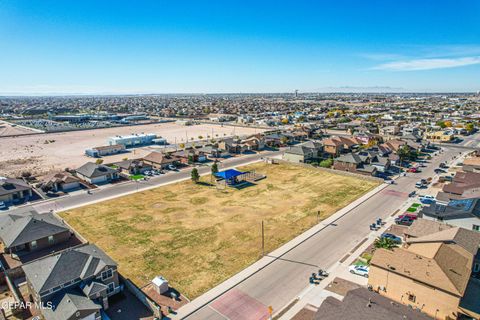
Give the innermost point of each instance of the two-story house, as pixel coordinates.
(435, 271)
(77, 283)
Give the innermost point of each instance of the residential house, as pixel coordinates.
(132, 166)
(463, 213)
(276, 140)
(365, 162)
(389, 131)
(306, 152)
(96, 173)
(231, 145)
(25, 231)
(14, 190)
(363, 304)
(159, 160)
(60, 181)
(465, 185)
(338, 145)
(255, 142)
(212, 152)
(77, 283)
(190, 156)
(435, 272)
(472, 164)
(440, 136)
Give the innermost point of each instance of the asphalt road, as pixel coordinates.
(283, 280)
(111, 191)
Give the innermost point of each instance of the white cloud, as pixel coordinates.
(428, 64)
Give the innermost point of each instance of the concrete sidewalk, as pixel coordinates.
(243, 275)
(315, 294)
(52, 204)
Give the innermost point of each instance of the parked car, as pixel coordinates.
(445, 178)
(404, 221)
(408, 215)
(420, 185)
(439, 171)
(3, 206)
(443, 166)
(171, 167)
(427, 199)
(359, 270)
(392, 237)
(412, 194)
(413, 170)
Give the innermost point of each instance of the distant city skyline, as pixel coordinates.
(158, 47)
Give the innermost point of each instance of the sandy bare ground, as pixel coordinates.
(44, 153)
(6, 129)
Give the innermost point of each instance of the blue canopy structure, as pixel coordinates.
(229, 174)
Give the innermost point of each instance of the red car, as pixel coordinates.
(413, 170)
(410, 216)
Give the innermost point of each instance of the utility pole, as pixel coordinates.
(263, 240)
(318, 216)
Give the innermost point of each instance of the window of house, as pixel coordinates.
(476, 227)
(50, 239)
(107, 274)
(476, 267)
(111, 287)
(411, 297)
(33, 244)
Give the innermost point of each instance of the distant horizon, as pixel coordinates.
(27, 95)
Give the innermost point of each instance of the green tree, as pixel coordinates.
(469, 127)
(441, 124)
(99, 161)
(403, 153)
(214, 168)
(195, 176)
(327, 163)
(385, 243)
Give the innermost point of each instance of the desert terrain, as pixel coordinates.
(44, 153)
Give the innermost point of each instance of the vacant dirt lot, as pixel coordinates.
(44, 153)
(197, 236)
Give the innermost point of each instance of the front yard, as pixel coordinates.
(197, 236)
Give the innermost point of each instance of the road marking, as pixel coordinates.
(237, 305)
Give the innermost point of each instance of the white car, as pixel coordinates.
(359, 270)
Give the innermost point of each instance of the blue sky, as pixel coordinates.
(200, 46)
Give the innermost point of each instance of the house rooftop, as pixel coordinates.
(72, 264)
(21, 227)
(93, 170)
(363, 304)
(10, 185)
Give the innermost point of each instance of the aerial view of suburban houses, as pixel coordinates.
(146, 225)
(198, 160)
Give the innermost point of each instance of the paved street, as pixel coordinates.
(281, 281)
(111, 191)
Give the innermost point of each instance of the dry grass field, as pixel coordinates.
(197, 236)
